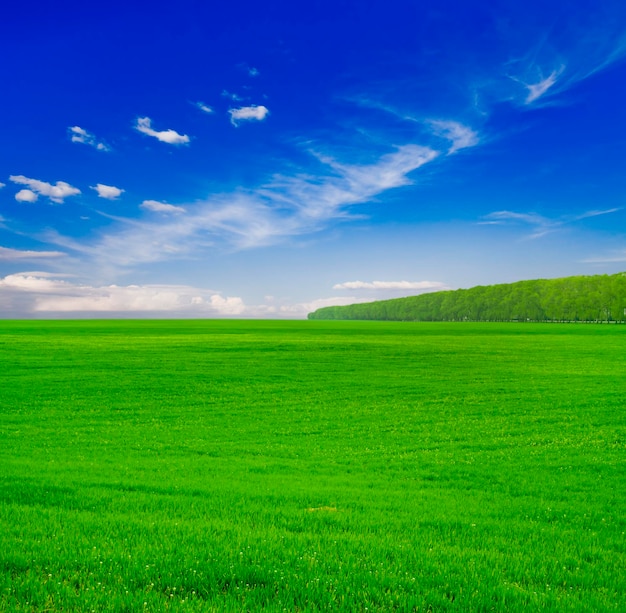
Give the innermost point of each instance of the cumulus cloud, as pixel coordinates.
(161, 207)
(171, 137)
(248, 113)
(19, 254)
(56, 193)
(2, 185)
(45, 294)
(392, 285)
(26, 195)
(39, 293)
(80, 135)
(109, 192)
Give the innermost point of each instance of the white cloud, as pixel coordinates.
(57, 193)
(26, 195)
(530, 77)
(203, 107)
(248, 113)
(392, 285)
(530, 218)
(536, 90)
(18, 254)
(56, 295)
(234, 97)
(171, 137)
(2, 185)
(161, 207)
(47, 293)
(541, 225)
(302, 309)
(80, 135)
(458, 134)
(249, 70)
(287, 207)
(596, 213)
(107, 191)
(32, 282)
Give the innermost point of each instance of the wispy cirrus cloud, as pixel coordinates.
(205, 108)
(540, 224)
(547, 62)
(535, 85)
(161, 207)
(56, 193)
(171, 137)
(248, 113)
(108, 192)
(536, 90)
(26, 254)
(460, 135)
(80, 135)
(285, 208)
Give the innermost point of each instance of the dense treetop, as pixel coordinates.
(582, 298)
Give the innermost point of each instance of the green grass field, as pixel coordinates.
(311, 466)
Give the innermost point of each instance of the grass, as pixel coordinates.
(311, 466)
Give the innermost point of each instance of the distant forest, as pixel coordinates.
(598, 298)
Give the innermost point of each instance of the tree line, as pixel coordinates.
(597, 298)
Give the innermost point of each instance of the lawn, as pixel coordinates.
(311, 466)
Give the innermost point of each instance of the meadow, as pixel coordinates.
(311, 466)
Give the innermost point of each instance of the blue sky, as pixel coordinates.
(262, 159)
